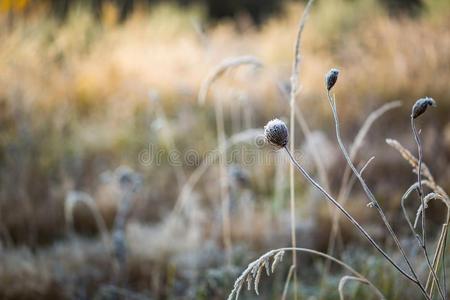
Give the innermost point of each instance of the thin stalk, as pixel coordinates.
(75, 197)
(288, 279)
(422, 202)
(419, 241)
(443, 260)
(348, 181)
(405, 213)
(430, 183)
(440, 251)
(419, 181)
(292, 213)
(293, 94)
(224, 194)
(344, 280)
(373, 201)
(355, 223)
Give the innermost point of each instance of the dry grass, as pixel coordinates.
(80, 98)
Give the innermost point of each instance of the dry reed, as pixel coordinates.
(438, 193)
(221, 140)
(70, 202)
(252, 274)
(293, 94)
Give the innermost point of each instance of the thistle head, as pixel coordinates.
(331, 78)
(421, 106)
(276, 133)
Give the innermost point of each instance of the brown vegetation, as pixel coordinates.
(81, 98)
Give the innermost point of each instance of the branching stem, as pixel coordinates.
(423, 242)
(354, 222)
(373, 202)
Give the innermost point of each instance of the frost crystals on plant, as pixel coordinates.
(276, 133)
(331, 78)
(421, 106)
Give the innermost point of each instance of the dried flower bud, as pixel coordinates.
(276, 133)
(421, 106)
(331, 78)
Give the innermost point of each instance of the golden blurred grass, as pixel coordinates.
(381, 58)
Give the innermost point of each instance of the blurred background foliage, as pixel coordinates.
(87, 86)
(258, 10)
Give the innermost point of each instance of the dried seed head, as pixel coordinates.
(278, 257)
(421, 106)
(331, 78)
(276, 133)
(257, 279)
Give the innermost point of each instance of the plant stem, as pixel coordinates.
(419, 181)
(293, 94)
(348, 180)
(443, 261)
(366, 189)
(355, 223)
(423, 244)
(288, 278)
(223, 173)
(416, 235)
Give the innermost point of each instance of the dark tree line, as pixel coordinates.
(257, 9)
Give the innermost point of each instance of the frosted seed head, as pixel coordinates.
(276, 133)
(331, 78)
(421, 106)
